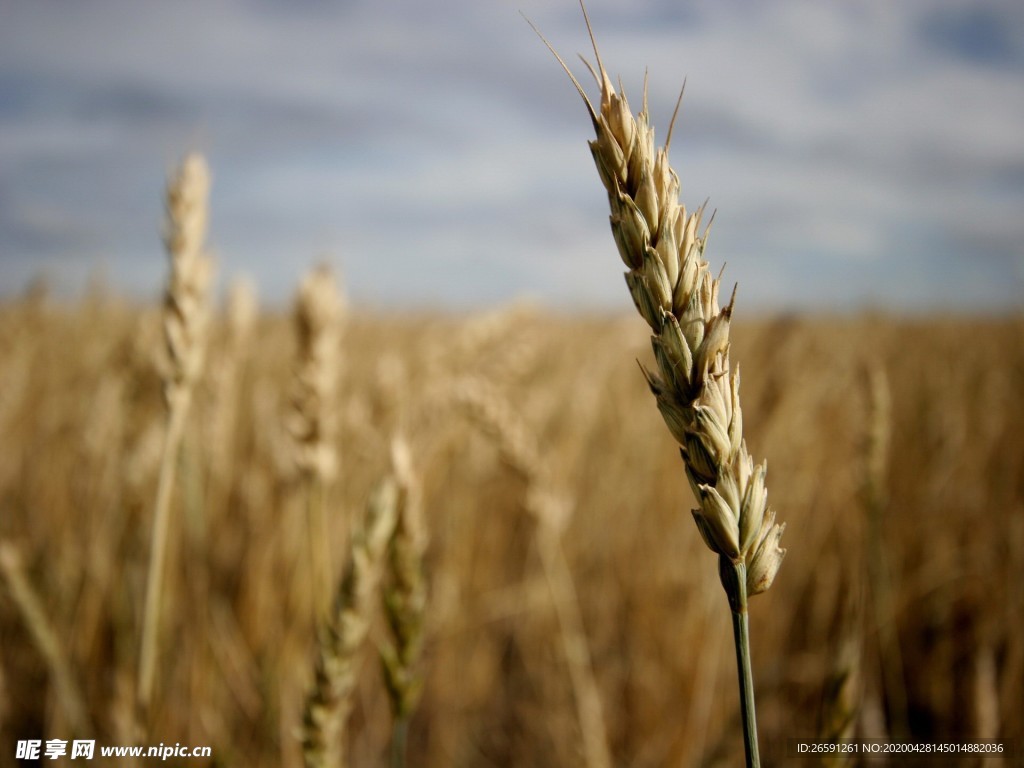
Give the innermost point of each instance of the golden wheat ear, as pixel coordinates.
(694, 386)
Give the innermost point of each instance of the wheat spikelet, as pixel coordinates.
(341, 638)
(672, 288)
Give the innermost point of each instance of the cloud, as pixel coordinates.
(854, 153)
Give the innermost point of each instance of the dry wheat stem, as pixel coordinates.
(841, 703)
(45, 636)
(695, 389)
(342, 637)
(875, 495)
(185, 321)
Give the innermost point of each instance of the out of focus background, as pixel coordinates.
(856, 154)
(866, 162)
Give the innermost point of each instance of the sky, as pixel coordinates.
(857, 154)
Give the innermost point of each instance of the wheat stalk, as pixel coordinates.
(341, 638)
(842, 693)
(45, 636)
(986, 693)
(185, 323)
(695, 389)
(875, 498)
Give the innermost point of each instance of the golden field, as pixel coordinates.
(902, 616)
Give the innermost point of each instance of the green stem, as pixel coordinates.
(734, 579)
(399, 736)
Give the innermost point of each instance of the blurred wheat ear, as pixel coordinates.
(496, 418)
(313, 419)
(695, 389)
(405, 601)
(185, 323)
(341, 636)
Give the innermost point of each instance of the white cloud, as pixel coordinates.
(438, 149)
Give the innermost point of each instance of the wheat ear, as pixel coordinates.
(341, 638)
(318, 312)
(405, 601)
(694, 387)
(185, 322)
(552, 511)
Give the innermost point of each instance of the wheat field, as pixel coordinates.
(897, 458)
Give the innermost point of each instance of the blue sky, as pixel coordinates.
(857, 154)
